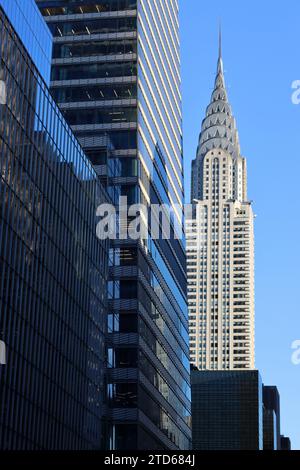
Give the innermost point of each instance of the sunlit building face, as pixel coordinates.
(220, 245)
(116, 77)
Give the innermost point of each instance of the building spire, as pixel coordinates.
(220, 41)
(220, 59)
(219, 128)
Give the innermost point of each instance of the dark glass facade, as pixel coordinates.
(285, 443)
(227, 410)
(270, 424)
(271, 399)
(53, 268)
(116, 71)
(32, 31)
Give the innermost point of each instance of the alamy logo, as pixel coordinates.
(2, 92)
(2, 353)
(296, 353)
(136, 221)
(296, 93)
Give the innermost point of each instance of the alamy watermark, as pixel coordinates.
(296, 354)
(2, 353)
(138, 221)
(296, 92)
(3, 94)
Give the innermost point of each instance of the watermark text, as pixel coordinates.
(296, 353)
(2, 353)
(2, 92)
(296, 93)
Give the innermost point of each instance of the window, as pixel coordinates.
(128, 289)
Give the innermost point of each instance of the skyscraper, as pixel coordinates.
(270, 436)
(271, 401)
(227, 410)
(116, 73)
(53, 268)
(220, 244)
(285, 443)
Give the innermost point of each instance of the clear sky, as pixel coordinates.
(261, 53)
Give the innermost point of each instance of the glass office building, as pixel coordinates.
(32, 31)
(53, 268)
(285, 443)
(270, 425)
(116, 72)
(271, 399)
(227, 410)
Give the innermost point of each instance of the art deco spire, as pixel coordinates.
(219, 127)
(220, 60)
(220, 244)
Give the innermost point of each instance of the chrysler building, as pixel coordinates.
(220, 244)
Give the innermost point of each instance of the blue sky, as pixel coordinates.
(261, 56)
